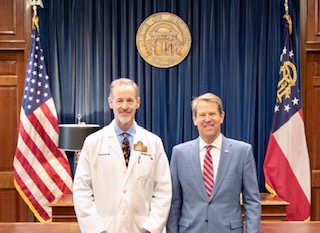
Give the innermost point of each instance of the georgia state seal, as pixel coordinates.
(163, 40)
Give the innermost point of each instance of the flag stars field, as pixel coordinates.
(287, 108)
(295, 101)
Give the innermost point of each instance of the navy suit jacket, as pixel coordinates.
(192, 210)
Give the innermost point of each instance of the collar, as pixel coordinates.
(131, 131)
(217, 143)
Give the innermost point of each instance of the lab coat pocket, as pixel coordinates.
(145, 163)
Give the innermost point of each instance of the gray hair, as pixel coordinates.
(208, 97)
(123, 82)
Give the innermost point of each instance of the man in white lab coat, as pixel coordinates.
(115, 194)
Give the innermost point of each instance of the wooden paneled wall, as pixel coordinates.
(15, 32)
(310, 74)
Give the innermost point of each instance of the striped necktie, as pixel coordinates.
(126, 148)
(208, 170)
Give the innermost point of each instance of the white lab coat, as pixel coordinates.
(110, 197)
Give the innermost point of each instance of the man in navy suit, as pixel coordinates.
(209, 177)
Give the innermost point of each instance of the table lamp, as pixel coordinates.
(72, 136)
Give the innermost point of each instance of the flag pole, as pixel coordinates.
(35, 4)
(287, 16)
(286, 6)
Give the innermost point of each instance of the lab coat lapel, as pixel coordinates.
(225, 158)
(196, 166)
(110, 144)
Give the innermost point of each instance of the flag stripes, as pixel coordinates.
(36, 207)
(44, 155)
(295, 128)
(41, 171)
(300, 205)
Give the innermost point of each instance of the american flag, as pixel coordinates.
(286, 165)
(41, 171)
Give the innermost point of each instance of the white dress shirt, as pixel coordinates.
(215, 153)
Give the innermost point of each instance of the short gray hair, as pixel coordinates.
(123, 82)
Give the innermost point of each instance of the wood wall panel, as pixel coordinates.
(9, 127)
(312, 105)
(11, 89)
(8, 101)
(16, 210)
(9, 198)
(316, 134)
(9, 93)
(8, 68)
(6, 180)
(13, 24)
(15, 31)
(8, 20)
(310, 72)
(313, 26)
(316, 68)
(12, 73)
(315, 200)
(316, 179)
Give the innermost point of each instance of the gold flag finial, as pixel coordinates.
(35, 22)
(287, 16)
(34, 4)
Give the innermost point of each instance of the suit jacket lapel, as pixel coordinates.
(196, 166)
(225, 158)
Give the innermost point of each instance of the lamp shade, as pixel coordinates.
(72, 136)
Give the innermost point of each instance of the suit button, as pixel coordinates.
(206, 220)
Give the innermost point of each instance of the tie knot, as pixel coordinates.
(208, 147)
(125, 134)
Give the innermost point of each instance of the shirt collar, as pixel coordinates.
(217, 143)
(131, 131)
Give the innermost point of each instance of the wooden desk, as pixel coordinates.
(289, 227)
(273, 208)
(73, 227)
(31, 227)
(62, 209)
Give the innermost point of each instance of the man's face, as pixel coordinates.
(124, 103)
(208, 120)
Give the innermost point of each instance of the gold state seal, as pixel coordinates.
(163, 40)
